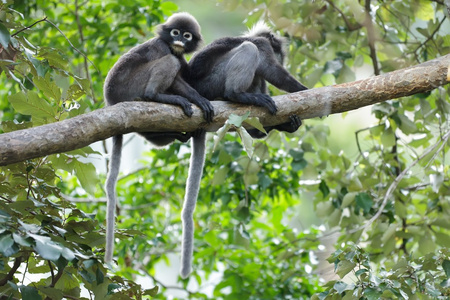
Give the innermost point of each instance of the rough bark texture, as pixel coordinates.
(128, 117)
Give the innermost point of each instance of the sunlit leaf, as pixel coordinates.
(344, 267)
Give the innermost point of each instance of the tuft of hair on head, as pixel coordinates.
(259, 29)
(184, 20)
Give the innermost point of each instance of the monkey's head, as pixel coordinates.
(278, 43)
(181, 32)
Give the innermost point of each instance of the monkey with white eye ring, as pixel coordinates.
(152, 72)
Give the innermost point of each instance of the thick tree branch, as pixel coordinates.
(128, 117)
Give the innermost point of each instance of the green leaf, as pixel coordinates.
(340, 287)
(30, 293)
(388, 138)
(7, 245)
(21, 240)
(262, 151)
(323, 187)
(112, 287)
(151, 292)
(48, 87)
(446, 267)
(220, 176)
(348, 199)
(407, 126)
(87, 175)
(220, 134)
(389, 233)
(364, 201)
(344, 267)
(31, 104)
(52, 293)
(54, 58)
(255, 123)
(247, 140)
(442, 239)
(372, 294)
(425, 11)
(237, 120)
(346, 75)
(46, 248)
(5, 37)
(74, 92)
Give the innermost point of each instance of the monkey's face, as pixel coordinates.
(181, 41)
(181, 32)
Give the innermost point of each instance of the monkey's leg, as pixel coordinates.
(165, 138)
(162, 74)
(290, 127)
(240, 72)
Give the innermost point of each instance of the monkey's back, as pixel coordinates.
(206, 67)
(127, 79)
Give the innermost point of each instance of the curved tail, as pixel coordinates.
(192, 187)
(111, 180)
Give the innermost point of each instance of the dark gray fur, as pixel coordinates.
(237, 68)
(152, 72)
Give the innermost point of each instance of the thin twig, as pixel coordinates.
(70, 43)
(86, 66)
(28, 27)
(371, 38)
(399, 178)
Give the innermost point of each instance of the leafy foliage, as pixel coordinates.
(255, 236)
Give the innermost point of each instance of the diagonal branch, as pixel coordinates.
(129, 117)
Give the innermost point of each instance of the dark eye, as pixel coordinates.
(187, 36)
(174, 32)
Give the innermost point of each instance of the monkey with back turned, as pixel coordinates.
(152, 72)
(236, 69)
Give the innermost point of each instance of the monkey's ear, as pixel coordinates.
(160, 29)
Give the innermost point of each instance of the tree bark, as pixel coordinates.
(129, 117)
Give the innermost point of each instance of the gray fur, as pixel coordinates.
(192, 188)
(111, 180)
(152, 72)
(237, 68)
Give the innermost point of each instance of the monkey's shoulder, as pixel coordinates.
(150, 50)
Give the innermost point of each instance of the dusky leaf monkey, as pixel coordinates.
(152, 72)
(236, 69)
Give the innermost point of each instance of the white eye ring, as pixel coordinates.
(174, 32)
(187, 36)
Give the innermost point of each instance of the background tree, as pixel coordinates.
(255, 237)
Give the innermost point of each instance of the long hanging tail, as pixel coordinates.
(192, 187)
(111, 180)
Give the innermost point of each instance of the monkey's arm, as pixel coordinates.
(281, 78)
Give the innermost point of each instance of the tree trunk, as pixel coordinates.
(128, 117)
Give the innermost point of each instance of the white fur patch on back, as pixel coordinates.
(257, 29)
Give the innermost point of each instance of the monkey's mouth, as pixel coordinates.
(178, 47)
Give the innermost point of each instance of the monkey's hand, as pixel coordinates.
(206, 106)
(172, 99)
